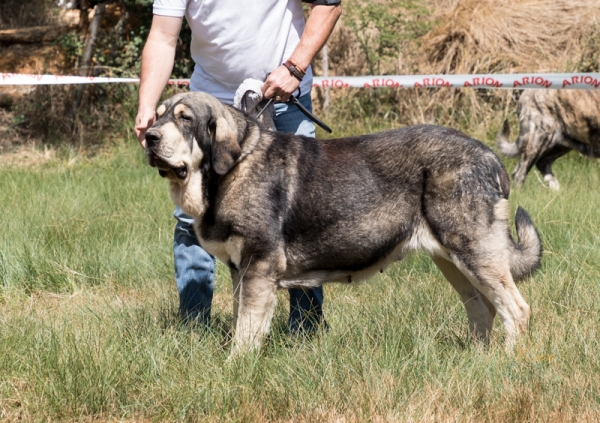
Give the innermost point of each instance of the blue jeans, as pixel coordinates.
(195, 268)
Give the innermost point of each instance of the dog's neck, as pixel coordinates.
(188, 194)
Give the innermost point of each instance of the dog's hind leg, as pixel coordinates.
(494, 280)
(480, 311)
(256, 301)
(526, 162)
(544, 165)
(538, 148)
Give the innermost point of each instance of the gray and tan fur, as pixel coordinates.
(289, 211)
(553, 122)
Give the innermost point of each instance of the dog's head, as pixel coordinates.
(194, 132)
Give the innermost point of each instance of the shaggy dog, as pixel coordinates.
(553, 122)
(288, 211)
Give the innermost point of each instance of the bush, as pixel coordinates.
(48, 112)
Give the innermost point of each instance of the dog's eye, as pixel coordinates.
(185, 118)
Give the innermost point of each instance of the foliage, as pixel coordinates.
(48, 111)
(120, 41)
(384, 28)
(72, 44)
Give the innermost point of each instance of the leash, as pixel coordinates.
(269, 101)
(303, 109)
(309, 114)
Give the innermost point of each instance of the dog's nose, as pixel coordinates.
(152, 138)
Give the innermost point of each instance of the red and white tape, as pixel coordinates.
(511, 81)
(35, 79)
(588, 81)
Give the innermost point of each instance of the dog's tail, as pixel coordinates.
(527, 252)
(507, 148)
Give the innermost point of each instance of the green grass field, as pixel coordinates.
(89, 328)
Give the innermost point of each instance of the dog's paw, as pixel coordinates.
(552, 182)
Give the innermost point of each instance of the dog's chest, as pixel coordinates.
(228, 251)
(216, 248)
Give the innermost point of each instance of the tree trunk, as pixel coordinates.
(86, 59)
(84, 6)
(36, 34)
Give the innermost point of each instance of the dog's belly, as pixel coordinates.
(313, 278)
(420, 239)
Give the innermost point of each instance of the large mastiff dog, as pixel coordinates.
(288, 211)
(553, 122)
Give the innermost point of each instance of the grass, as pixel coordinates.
(89, 328)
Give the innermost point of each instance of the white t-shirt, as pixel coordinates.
(237, 39)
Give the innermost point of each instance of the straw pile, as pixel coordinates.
(479, 36)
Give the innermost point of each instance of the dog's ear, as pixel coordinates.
(225, 145)
(230, 134)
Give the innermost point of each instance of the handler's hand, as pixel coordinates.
(280, 83)
(143, 121)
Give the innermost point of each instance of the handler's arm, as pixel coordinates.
(158, 57)
(319, 25)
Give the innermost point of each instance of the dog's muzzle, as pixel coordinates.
(163, 167)
(155, 160)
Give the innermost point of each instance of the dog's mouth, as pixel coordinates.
(165, 170)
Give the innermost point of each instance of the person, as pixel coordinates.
(234, 40)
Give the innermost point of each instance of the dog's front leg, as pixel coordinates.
(256, 300)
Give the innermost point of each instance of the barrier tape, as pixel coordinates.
(35, 79)
(508, 81)
(588, 81)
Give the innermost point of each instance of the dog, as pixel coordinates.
(289, 211)
(553, 122)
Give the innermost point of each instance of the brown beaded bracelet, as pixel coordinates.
(294, 70)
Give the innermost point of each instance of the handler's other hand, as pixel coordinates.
(280, 83)
(143, 121)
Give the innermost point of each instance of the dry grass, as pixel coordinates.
(478, 36)
(466, 36)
